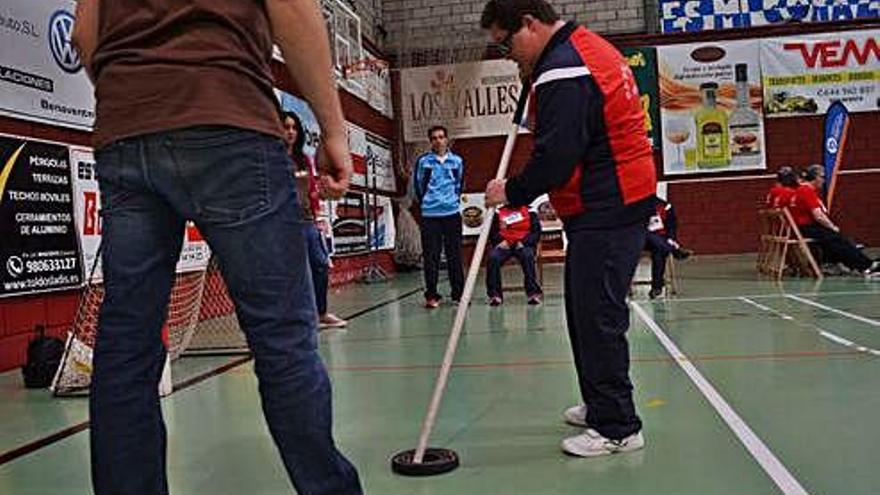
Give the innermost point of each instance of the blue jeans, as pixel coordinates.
(319, 262)
(237, 187)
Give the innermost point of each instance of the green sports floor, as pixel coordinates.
(745, 387)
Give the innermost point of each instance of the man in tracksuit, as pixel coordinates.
(437, 182)
(592, 155)
(515, 233)
(662, 240)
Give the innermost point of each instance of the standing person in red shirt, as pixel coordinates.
(811, 216)
(310, 206)
(591, 153)
(515, 233)
(781, 192)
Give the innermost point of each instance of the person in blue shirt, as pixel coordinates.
(437, 183)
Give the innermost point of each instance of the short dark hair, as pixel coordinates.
(508, 14)
(438, 128)
(787, 177)
(812, 172)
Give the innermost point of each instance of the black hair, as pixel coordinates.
(812, 172)
(438, 128)
(508, 14)
(297, 154)
(787, 177)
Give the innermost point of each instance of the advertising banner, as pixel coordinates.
(702, 15)
(348, 217)
(382, 231)
(804, 75)
(39, 245)
(301, 108)
(473, 213)
(710, 107)
(371, 157)
(471, 99)
(194, 254)
(546, 214)
(643, 62)
(41, 75)
(836, 129)
(370, 80)
(379, 165)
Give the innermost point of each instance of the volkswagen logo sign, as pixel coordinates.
(60, 34)
(831, 145)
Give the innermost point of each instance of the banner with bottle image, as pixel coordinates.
(711, 107)
(643, 63)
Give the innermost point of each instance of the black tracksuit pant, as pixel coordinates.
(442, 233)
(836, 247)
(599, 268)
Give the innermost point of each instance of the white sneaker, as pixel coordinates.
(576, 415)
(873, 272)
(592, 444)
(329, 320)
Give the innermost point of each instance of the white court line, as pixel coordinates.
(828, 335)
(760, 452)
(760, 177)
(763, 296)
(853, 316)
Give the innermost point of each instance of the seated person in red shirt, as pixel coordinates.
(661, 242)
(515, 232)
(781, 192)
(811, 216)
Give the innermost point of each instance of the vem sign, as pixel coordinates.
(836, 53)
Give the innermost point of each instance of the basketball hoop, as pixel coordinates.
(370, 78)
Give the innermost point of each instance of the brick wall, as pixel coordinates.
(417, 24)
(370, 12)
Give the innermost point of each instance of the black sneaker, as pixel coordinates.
(655, 293)
(682, 254)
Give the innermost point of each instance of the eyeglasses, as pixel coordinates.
(506, 45)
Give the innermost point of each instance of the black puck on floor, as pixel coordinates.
(435, 461)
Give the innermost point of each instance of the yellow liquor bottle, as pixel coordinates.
(713, 149)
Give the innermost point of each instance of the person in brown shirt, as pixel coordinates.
(187, 128)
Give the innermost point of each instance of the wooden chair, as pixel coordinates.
(548, 255)
(782, 245)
